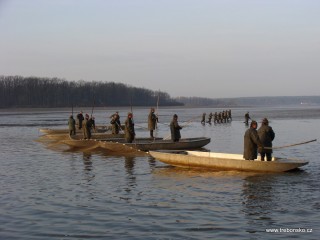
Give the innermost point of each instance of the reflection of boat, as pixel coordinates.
(225, 161)
(143, 144)
(99, 129)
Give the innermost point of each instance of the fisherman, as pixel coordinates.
(129, 128)
(92, 123)
(219, 117)
(203, 120)
(152, 122)
(210, 117)
(215, 119)
(224, 116)
(72, 125)
(266, 135)
(229, 115)
(80, 118)
(246, 118)
(86, 127)
(251, 142)
(115, 122)
(175, 129)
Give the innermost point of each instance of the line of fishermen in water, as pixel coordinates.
(218, 117)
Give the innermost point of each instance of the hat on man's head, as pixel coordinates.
(265, 121)
(253, 122)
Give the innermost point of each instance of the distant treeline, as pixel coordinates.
(249, 101)
(17, 91)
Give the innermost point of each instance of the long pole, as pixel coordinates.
(92, 107)
(157, 111)
(291, 145)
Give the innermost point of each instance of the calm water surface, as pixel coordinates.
(50, 192)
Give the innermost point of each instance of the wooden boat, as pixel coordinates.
(225, 161)
(147, 144)
(141, 144)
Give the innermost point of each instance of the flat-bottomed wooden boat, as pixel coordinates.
(139, 144)
(225, 161)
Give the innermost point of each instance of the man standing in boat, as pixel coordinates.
(251, 142)
(72, 125)
(115, 122)
(175, 129)
(80, 118)
(266, 136)
(129, 128)
(152, 121)
(86, 127)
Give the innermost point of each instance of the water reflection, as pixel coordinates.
(88, 167)
(87, 162)
(259, 201)
(129, 164)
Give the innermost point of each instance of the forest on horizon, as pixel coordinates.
(35, 92)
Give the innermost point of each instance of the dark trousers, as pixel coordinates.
(268, 155)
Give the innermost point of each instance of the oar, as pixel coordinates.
(92, 107)
(157, 109)
(291, 145)
(141, 126)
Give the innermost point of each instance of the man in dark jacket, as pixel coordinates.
(251, 142)
(129, 128)
(80, 118)
(72, 125)
(266, 136)
(115, 121)
(152, 122)
(246, 118)
(175, 129)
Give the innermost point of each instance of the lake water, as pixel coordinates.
(50, 192)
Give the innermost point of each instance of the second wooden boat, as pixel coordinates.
(226, 161)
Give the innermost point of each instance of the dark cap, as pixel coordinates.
(265, 121)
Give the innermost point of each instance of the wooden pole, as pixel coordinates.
(291, 145)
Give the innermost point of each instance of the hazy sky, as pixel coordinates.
(204, 48)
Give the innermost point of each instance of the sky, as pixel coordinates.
(191, 48)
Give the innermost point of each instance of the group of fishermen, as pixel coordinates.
(255, 141)
(258, 141)
(218, 117)
(86, 124)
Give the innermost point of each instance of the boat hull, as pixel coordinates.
(210, 160)
(161, 144)
(140, 144)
